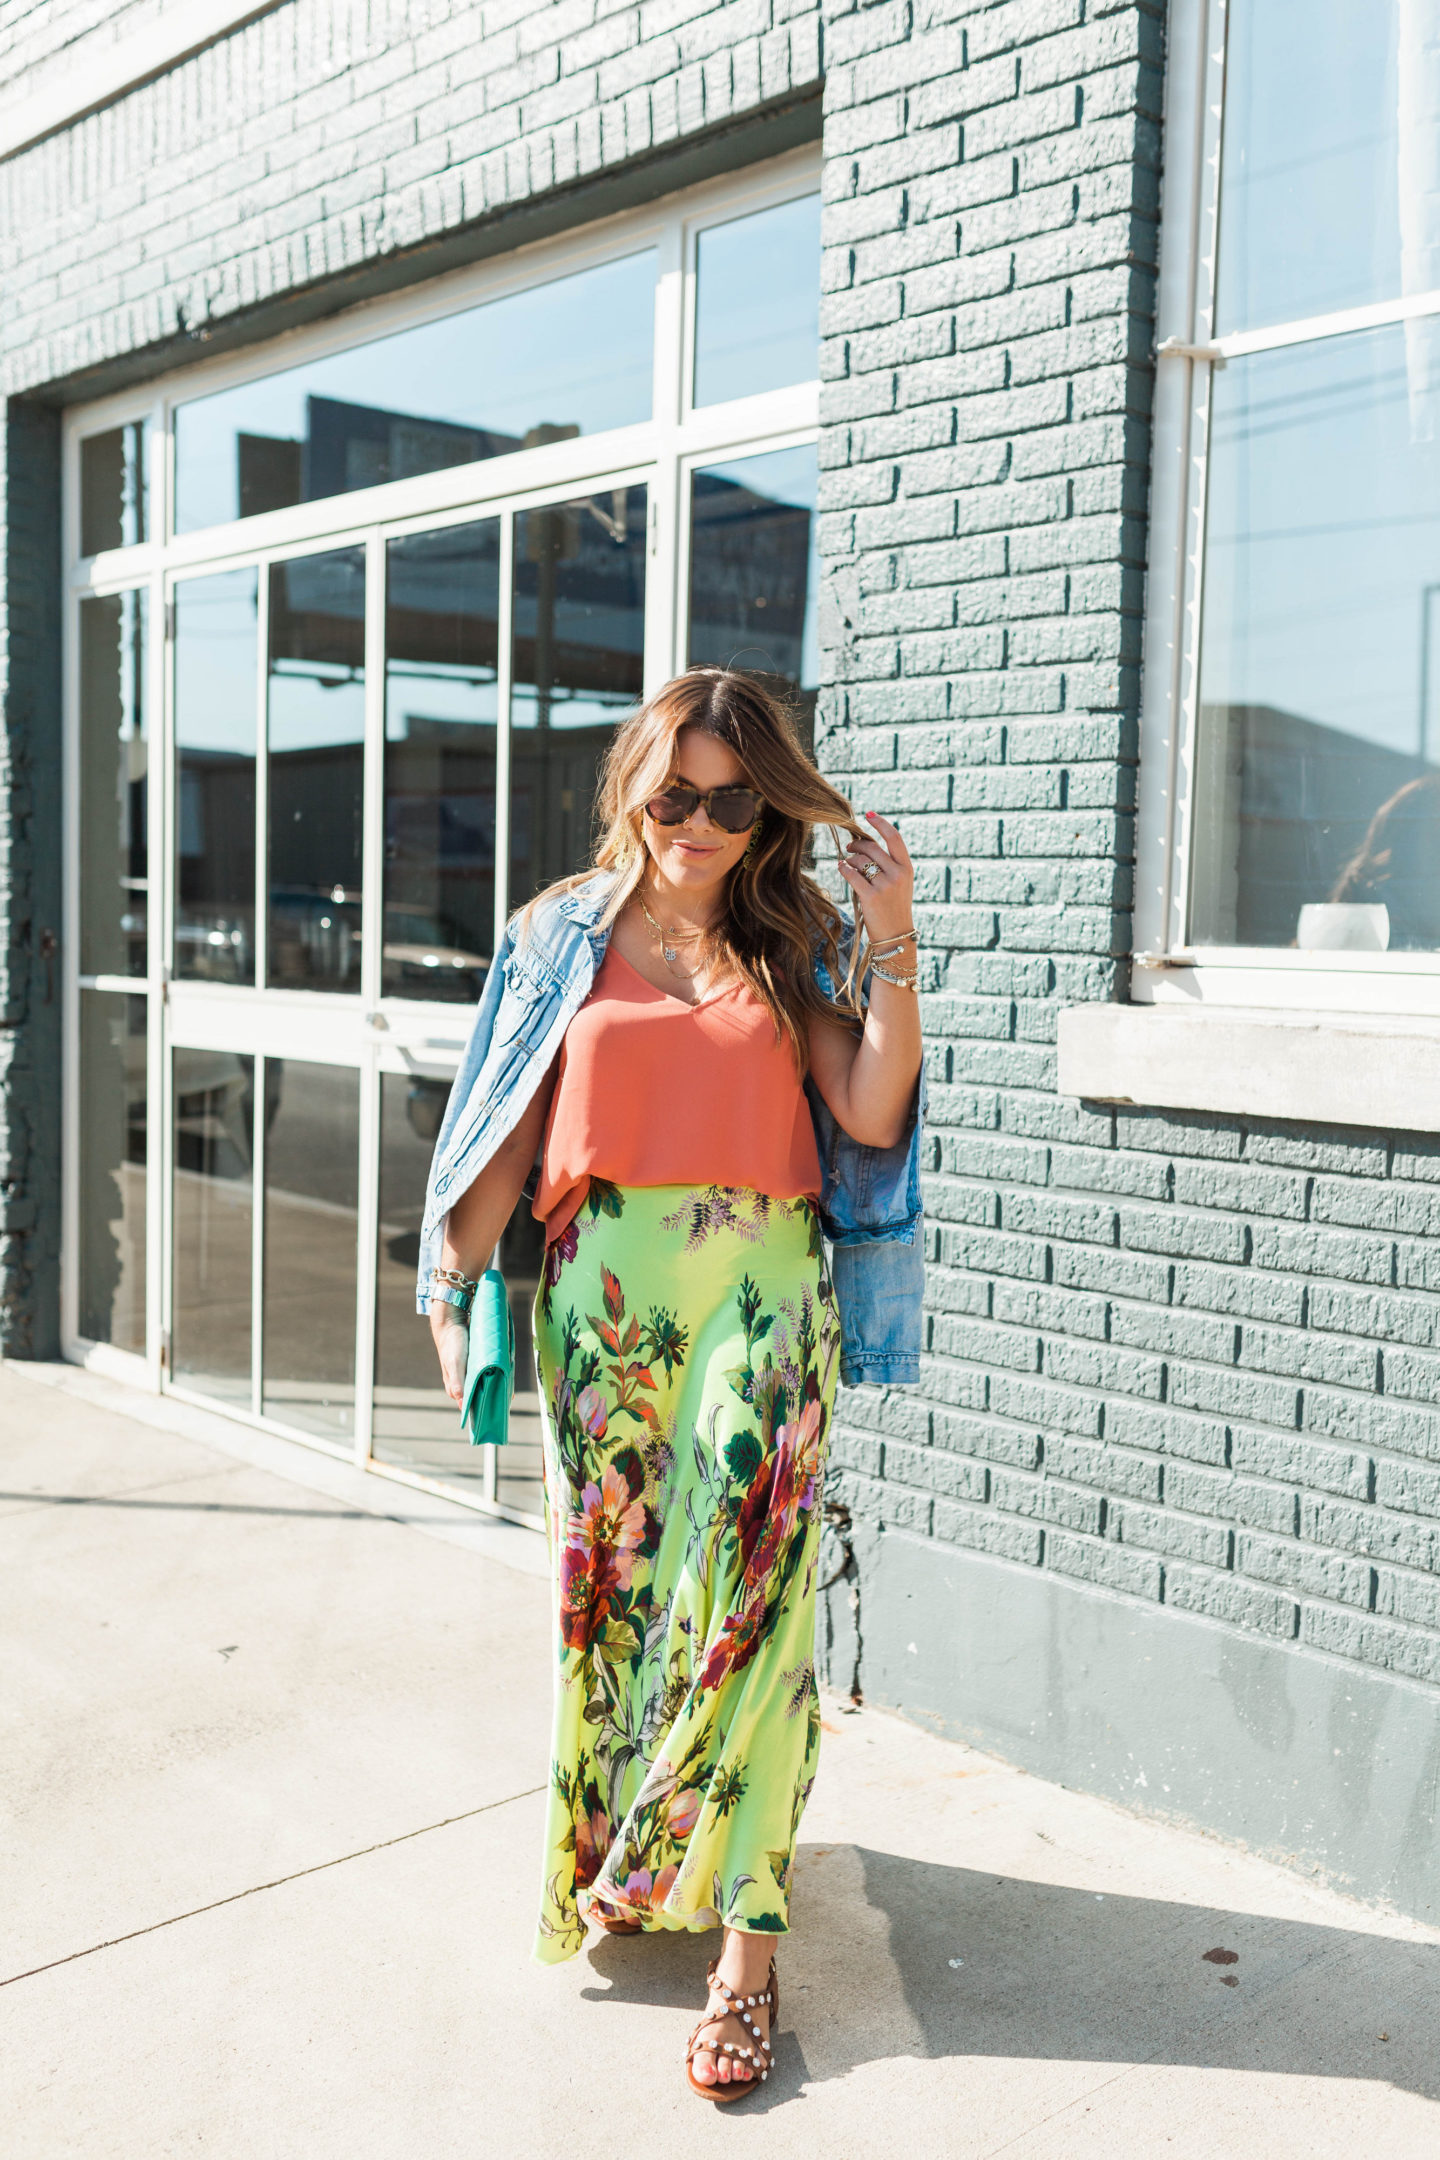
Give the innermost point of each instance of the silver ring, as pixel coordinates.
(871, 871)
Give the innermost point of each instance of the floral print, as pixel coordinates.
(688, 1348)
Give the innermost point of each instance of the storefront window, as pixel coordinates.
(114, 783)
(112, 489)
(312, 1168)
(757, 314)
(1316, 819)
(216, 648)
(754, 572)
(442, 626)
(579, 645)
(114, 1128)
(214, 1197)
(378, 731)
(315, 783)
(571, 357)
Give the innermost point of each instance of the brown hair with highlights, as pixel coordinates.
(776, 918)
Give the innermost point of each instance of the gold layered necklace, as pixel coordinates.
(669, 942)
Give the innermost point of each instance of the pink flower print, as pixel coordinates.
(636, 1889)
(591, 1411)
(592, 1842)
(610, 1521)
(682, 1813)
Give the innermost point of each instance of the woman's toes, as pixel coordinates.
(705, 2069)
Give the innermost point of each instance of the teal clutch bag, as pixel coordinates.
(490, 1367)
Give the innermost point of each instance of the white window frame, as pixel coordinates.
(373, 1033)
(1168, 970)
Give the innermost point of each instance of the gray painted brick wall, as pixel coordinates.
(1191, 1361)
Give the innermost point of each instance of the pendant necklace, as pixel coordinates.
(665, 939)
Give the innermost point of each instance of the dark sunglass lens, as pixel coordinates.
(674, 806)
(734, 809)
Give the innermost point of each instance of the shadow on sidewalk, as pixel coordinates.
(893, 1957)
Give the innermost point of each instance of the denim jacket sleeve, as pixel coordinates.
(536, 985)
(870, 1210)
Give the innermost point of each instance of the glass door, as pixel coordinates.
(379, 749)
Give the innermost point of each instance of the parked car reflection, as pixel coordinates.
(424, 957)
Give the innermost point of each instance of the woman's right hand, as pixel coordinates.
(452, 1347)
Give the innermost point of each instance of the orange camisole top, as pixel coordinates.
(652, 1091)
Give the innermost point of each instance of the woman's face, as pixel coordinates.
(698, 856)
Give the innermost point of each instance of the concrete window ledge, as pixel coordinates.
(1325, 1068)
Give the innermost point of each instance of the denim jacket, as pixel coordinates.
(869, 1197)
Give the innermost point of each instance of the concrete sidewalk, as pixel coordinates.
(270, 1774)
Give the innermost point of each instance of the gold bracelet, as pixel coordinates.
(901, 982)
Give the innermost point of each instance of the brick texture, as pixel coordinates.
(331, 133)
(1186, 1360)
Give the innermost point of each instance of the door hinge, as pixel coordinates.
(165, 1350)
(170, 621)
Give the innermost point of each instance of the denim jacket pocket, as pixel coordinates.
(527, 998)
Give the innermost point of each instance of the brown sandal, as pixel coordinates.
(613, 1922)
(760, 2054)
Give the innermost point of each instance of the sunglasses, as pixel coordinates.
(733, 809)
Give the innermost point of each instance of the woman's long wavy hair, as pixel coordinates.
(776, 918)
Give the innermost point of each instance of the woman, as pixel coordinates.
(649, 1030)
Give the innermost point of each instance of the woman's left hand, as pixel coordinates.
(882, 879)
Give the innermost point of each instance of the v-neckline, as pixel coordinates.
(669, 996)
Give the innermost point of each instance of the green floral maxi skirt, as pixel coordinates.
(688, 1345)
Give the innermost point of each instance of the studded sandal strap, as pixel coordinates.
(739, 2006)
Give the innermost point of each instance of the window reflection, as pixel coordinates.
(1318, 813)
(579, 642)
(570, 357)
(113, 1149)
(757, 305)
(112, 488)
(754, 573)
(1331, 112)
(415, 1424)
(214, 1093)
(216, 641)
(316, 723)
(442, 615)
(312, 1165)
(114, 769)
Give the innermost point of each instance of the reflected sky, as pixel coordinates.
(1328, 172)
(574, 356)
(757, 309)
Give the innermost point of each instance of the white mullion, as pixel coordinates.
(372, 858)
(372, 929)
(1182, 805)
(1184, 303)
(70, 959)
(257, 1238)
(261, 942)
(504, 679)
(367, 1231)
(673, 485)
(157, 856)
